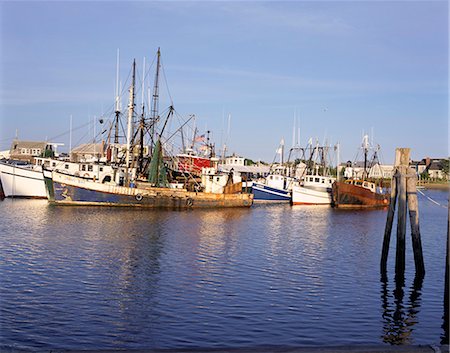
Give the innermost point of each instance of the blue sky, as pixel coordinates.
(344, 67)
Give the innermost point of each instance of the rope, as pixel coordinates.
(430, 199)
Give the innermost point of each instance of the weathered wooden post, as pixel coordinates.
(413, 207)
(390, 218)
(402, 162)
(445, 324)
(403, 187)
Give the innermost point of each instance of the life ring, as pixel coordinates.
(86, 175)
(139, 197)
(189, 202)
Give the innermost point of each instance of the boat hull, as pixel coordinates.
(264, 193)
(20, 181)
(311, 196)
(69, 190)
(355, 196)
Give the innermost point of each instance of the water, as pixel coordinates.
(99, 278)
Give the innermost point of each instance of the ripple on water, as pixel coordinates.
(269, 275)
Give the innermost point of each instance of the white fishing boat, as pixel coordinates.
(25, 180)
(313, 190)
(315, 187)
(21, 180)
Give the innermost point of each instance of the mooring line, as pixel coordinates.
(430, 199)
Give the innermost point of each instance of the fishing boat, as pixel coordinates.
(315, 186)
(25, 180)
(313, 190)
(148, 181)
(277, 185)
(157, 192)
(21, 180)
(360, 192)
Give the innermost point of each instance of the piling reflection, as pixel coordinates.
(445, 323)
(400, 316)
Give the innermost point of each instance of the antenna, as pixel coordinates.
(293, 130)
(117, 81)
(70, 135)
(228, 128)
(143, 85)
(155, 107)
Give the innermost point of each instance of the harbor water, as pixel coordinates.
(270, 275)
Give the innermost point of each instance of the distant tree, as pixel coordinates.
(48, 153)
(445, 166)
(424, 175)
(248, 161)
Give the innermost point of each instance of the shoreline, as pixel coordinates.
(268, 349)
(435, 186)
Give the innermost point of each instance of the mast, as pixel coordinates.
(142, 125)
(282, 151)
(338, 161)
(117, 106)
(130, 118)
(155, 100)
(366, 150)
(70, 139)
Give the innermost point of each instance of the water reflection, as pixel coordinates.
(445, 323)
(399, 317)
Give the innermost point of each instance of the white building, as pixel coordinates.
(356, 170)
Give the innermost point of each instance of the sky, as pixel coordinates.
(246, 69)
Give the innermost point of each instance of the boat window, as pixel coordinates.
(53, 164)
(83, 167)
(323, 181)
(218, 178)
(101, 169)
(90, 168)
(317, 180)
(66, 166)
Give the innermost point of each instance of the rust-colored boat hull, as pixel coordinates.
(355, 196)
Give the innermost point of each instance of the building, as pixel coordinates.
(247, 172)
(431, 168)
(235, 160)
(356, 170)
(27, 150)
(88, 152)
(5, 154)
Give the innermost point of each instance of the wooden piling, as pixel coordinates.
(445, 324)
(402, 162)
(388, 228)
(413, 207)
(403, 188)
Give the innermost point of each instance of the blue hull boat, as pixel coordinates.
(262, 192)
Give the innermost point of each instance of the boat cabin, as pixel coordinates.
(363, 183)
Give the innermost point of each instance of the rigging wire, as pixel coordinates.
(431, 200)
